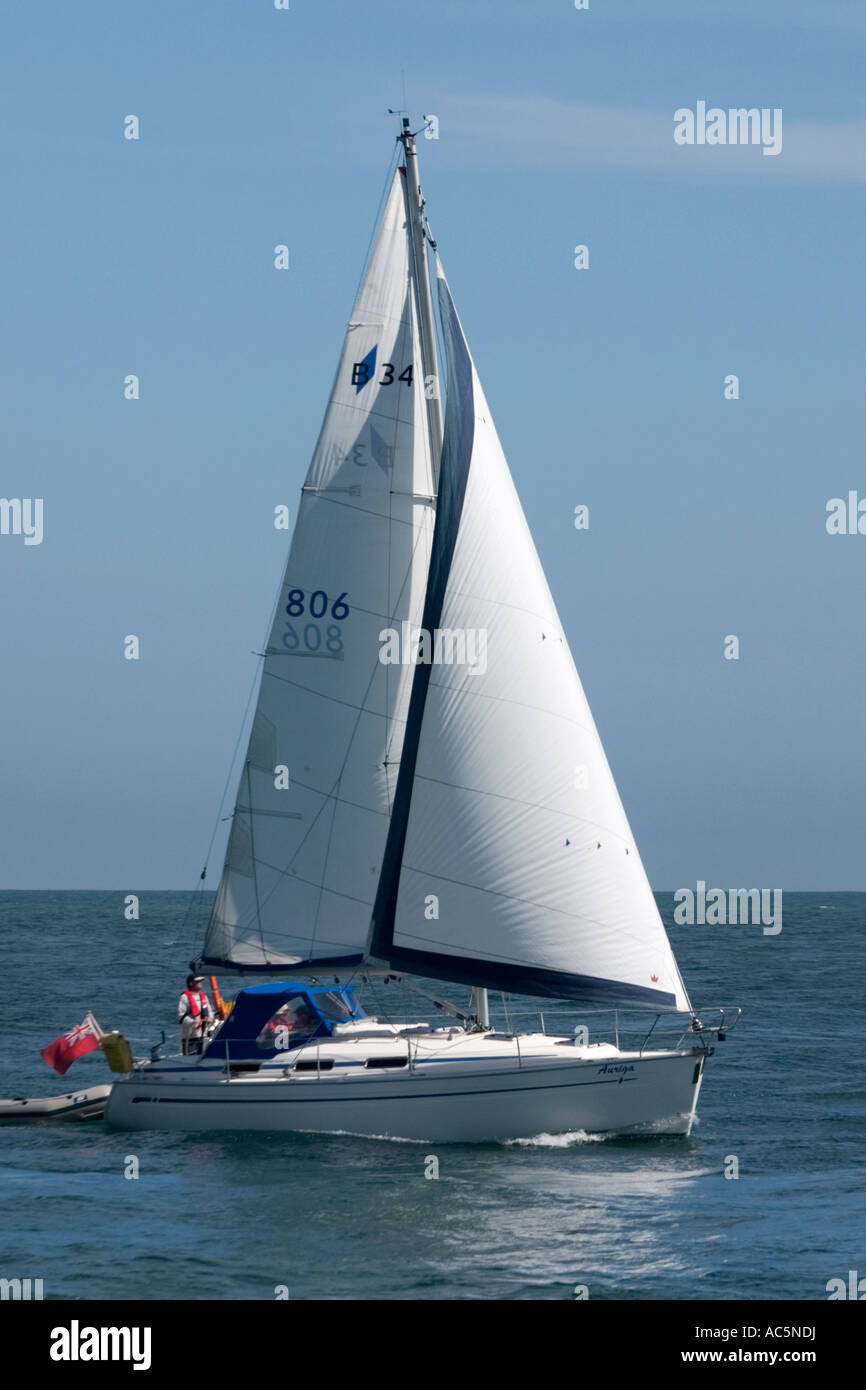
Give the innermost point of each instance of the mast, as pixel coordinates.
(423, 298)
(479, 1008)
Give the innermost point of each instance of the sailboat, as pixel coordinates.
(424, 794)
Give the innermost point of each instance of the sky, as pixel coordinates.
(555, 129)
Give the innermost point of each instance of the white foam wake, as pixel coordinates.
(558, 1141)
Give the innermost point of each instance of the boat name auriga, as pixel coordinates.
(423, 778)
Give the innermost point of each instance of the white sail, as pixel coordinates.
(303, 863)
(511, 861)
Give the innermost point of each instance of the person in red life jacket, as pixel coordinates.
(194, 1013)
(291, 1018)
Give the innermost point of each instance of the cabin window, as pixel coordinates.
(291, 1022)
(326, 1064)
(334, 1005)
(382, 1062)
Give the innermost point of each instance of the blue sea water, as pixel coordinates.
(234, 1216)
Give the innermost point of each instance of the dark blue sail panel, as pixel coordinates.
(268, 967)
(526, 979)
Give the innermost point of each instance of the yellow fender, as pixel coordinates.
(117, 1051)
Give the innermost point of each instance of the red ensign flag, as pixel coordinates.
(61, 1054)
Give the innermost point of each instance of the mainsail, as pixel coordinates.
(303, 861)
(510, 863)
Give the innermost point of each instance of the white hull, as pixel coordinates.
(476, 1088)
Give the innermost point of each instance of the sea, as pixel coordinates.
(765, 1200)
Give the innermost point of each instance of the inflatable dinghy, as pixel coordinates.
(76, 1105)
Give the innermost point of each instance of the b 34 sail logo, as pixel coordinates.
(365, 371)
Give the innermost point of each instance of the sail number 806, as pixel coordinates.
(316, 607)
(318, 604)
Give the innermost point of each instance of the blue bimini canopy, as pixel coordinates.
(269, 1019)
